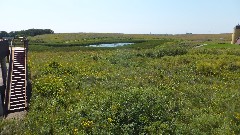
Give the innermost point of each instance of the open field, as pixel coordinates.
(212, 45)
(159, 86)
(81, 39)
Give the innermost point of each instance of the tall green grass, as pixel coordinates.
(222, 46)
(128, 91)
(153, 87)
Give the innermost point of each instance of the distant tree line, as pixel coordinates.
(29, 32)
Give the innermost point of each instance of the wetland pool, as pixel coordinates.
(110, 45)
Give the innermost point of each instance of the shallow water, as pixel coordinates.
(110, 45)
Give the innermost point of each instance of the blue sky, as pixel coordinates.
(121, 16)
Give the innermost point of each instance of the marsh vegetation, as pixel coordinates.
(159, 85)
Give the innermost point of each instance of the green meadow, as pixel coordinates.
(162, 84)
(224, 46)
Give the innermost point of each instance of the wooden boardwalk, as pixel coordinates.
(15, 92)
(17, 81)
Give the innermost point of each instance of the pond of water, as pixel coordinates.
(110, 45)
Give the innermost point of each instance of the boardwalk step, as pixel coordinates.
(18, 108)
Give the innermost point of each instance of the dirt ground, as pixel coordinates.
(16, 115)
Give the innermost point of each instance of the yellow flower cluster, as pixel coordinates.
(110, 120)
(75, 131)
(237, 116)
(87, 123)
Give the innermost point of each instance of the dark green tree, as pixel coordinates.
(3, 34)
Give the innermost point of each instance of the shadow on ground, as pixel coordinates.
(29, 91)
(2, 92)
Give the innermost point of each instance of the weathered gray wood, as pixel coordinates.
(3, 71)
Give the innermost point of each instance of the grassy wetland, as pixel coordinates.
(162, 84)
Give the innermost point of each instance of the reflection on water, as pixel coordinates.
(110, 45)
